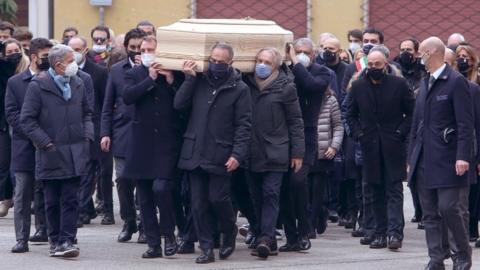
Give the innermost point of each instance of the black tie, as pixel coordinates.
(431, 81)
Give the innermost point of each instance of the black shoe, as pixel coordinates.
(473, 238)
(322, 222)
(207, 256)
(394, 242)
(435, 266)
(108, 219)
(312, 235)
(289, 247)
(350, 223)
(333, 216)
(127, 231)
(367, 240)
(142, 238)
(342, 222)
(379, 242)
(85, 219)
(20, 247)
(170, 246)
(358, 232)
(263, 250)
(153, 252)
(79, 222)
(228, 244)
(304, 243)
(249, 238)
(421, 225)
(186, 247)
(39, 236)
(66, 250)
(477, 244)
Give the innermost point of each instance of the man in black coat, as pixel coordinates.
(311, 81)
(115, 131)
(440, 153)
(23, 151)
(154, 147)
(100, 161)
(215, 143)
(56, 116)
(379, 114)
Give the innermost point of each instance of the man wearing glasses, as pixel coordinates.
(100, 49)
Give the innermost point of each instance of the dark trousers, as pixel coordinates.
(368, 219)
(318, 196)
(24, 188)
(125, 189)
(87, 188)
(153, 193)
(211, 206)
(265, 189)
(186, 229)
(473, 199)
(444, 215)
(416, 201)
(294, 204)
(242, 198)
(387, 205)
(6, 187)
(333, 187)
(106, 187)
(347, 199)
(39, 207)
(61, 207)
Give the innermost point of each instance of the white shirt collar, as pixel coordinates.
(131, 62)
(438, 72)
(82, 65)
(31, 71)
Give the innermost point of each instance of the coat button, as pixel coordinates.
(156, 130)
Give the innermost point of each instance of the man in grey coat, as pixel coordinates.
(56, 117)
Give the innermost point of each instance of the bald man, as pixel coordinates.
(379, 115)
(441, 142)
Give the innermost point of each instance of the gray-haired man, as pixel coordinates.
(57, 118)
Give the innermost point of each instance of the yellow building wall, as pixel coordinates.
(122, 16)
(336, 17)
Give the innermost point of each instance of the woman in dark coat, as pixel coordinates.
(277, 142)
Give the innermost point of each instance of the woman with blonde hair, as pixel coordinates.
(467, 62)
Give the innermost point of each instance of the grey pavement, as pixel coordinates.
(334, 250)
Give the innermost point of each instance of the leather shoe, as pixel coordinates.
(39, 236)
(5, 205)
(108, 219)
(206, 256)
(322, 222)
(435, 266)
(153, 252)
(170, 246)
(367, 240)
(358, 232)
(127, 231)
(394, 242)
(228, 244)
(379, 242)
(186, 247)
(289, 247)
(462, 262)
(477, 244)
(263, 250)
(142, 238)
(304, 243)
(421, 225)
(20, 247)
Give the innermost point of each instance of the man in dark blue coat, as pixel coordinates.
(100, 161)
(56, 117)
(215, 143)
(440, 153)
(154, 147)
(311, 81)
(115, 132)
(23, 151)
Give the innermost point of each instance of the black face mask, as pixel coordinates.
(329, 56)
(14, 59)
(44, 64)
(406, 59)
(219, 70)
(375, 74)
(26, 51)
(366, 48)
(463, 65)
(132, 54)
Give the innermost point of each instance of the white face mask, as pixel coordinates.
(71, 69)
(303, 59)
(148, 59)
(99, 48)
(354, 46)
(78, 56)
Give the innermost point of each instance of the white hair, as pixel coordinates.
(57, 54)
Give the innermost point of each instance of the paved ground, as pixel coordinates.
(333, 250)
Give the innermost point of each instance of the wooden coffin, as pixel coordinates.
(194, 38)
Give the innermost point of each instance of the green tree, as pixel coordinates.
(8, 10)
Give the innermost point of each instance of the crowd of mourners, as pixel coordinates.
(324, 135)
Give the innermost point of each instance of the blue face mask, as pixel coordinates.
(263, 71)
(218, 70)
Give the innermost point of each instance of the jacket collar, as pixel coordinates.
(26, 75)
(46, 83)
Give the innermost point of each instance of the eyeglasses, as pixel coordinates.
(99, 40)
